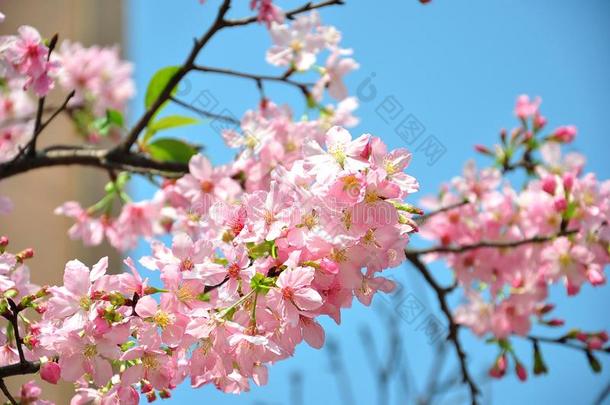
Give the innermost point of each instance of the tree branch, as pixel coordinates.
(7, 393)
(100, 158)
(289, 14)
(489, 244)
(419, 220)
(452, 335)
(256, 78)
(204, 113)
(166, 93)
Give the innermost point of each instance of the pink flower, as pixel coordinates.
(87, 228)
(267, 12)
(101, 79)
(342, 153)
(294, 294)
(564, 134)
(28, 56)
(295, 46)
(73, 299)
(332, 75)
(525, 108)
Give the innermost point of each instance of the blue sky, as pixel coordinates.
(457, 67)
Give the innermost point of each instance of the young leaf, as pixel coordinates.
(171, 121)
(593, 362)
(158, 83)
(171, 150)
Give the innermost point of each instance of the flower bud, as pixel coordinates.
(564, 134)
(568, 181)
(539, 122)
(3, 241)
(555, 322)
(560, 204)
(549, 184)
(25, 254)
(50, 372)
(499, 368)
(483, 149)
(521, 371)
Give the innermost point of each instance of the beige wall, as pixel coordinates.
(35, 194)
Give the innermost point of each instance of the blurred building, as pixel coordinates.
(37, 193)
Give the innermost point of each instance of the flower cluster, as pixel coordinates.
(26, 57)
(268, 12)
(246, 276)
(555, 229)
(102, 82)
(297, 47)
(16, 119)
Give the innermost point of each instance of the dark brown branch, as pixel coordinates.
(100, 158)
(204, 113)
(453, 327)
(489, 244)
(29, 367)
(256, 78)
(420, 219)
(187, 66)
(289, 14)
(565, 342)
(7, 393)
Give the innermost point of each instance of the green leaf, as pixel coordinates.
(571, 210)
(593, 362)
(171, 150)
(266, 248)
(262, 284)
(115, 117)
(539, 364)
(112, 119)
(171, 121)
(158, 83)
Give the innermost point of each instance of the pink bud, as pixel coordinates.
(583, 337)
(521, 372)
(595, 277)
(499, 368)
(568, 181)
(50, 372)
(565, 134)
(539, 121)
(594, 343)
(560, 204)
(546, 308)
(603, 336)
(3, 241)
(549, 184)
(146, 388)
(482, 149)
(555, 322)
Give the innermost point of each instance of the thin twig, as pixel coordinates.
(563, 341)
(489, 244)
(251, 76)
(289, 14)
(204, 113)
(186, 67)
(7, 393)
(453, 327)
(420, 219)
